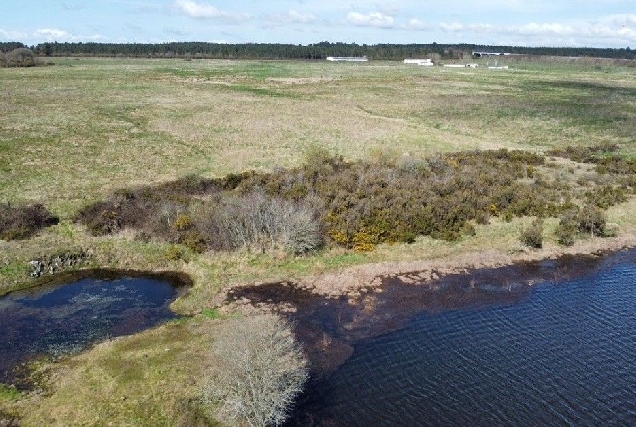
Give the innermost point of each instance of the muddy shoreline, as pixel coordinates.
(334, 313)
(350, 280)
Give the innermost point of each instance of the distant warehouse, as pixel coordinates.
(482, 54)
(423, 62)
(348, 58)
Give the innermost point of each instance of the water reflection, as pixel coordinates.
(545, 343)
(330, 327)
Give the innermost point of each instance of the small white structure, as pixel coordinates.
(461, 65)
(348, 58)
(477, 54)
(496, 66)
(422, 62)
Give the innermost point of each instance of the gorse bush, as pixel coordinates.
(605, 196)
(21, 222)
(589, 220)
(354, 204)
(20, 57)
(584, 154)
(566, 230)
(603, 156)
(533, 235)
(395, 200)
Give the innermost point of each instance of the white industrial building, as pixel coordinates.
(348, 58)
(472, 65)
(423, 62)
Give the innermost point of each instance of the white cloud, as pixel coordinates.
(482, 28)
(616, 29)
(54, 34)
(373, 19)
(94, 37)
(451, 27)
(51, 34)
(290, 17)
(627, 20)
(417, 25)
(620, 25)
(71, 6)
(299, 17)
(207, 11)
(534, 29)
(619, 28)
(391, 9)
(12, 35)
(176, 31)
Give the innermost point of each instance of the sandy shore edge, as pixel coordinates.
(349, 280)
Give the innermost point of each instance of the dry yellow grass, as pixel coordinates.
(75, 131)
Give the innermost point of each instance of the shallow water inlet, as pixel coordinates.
(58, 320)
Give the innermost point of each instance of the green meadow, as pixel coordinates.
(75, 132)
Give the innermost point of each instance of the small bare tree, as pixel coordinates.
(258, 222)
(258, 370)
(21, 57)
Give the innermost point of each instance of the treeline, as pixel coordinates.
(290, 51)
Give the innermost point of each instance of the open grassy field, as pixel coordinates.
(72, 133)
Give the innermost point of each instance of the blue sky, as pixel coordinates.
(599, 23)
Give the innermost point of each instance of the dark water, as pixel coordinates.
(493, 347)
(58, 320)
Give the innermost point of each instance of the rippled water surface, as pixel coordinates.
(68, 318)
(562, 353)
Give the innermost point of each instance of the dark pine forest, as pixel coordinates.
(307, 52)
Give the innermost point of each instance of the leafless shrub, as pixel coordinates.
(162, 223)
(20, 57)
(259, 369)
(259, 222)
(298, 228)
(413, 165)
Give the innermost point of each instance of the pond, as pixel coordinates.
(55, 320)
(548, 343)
